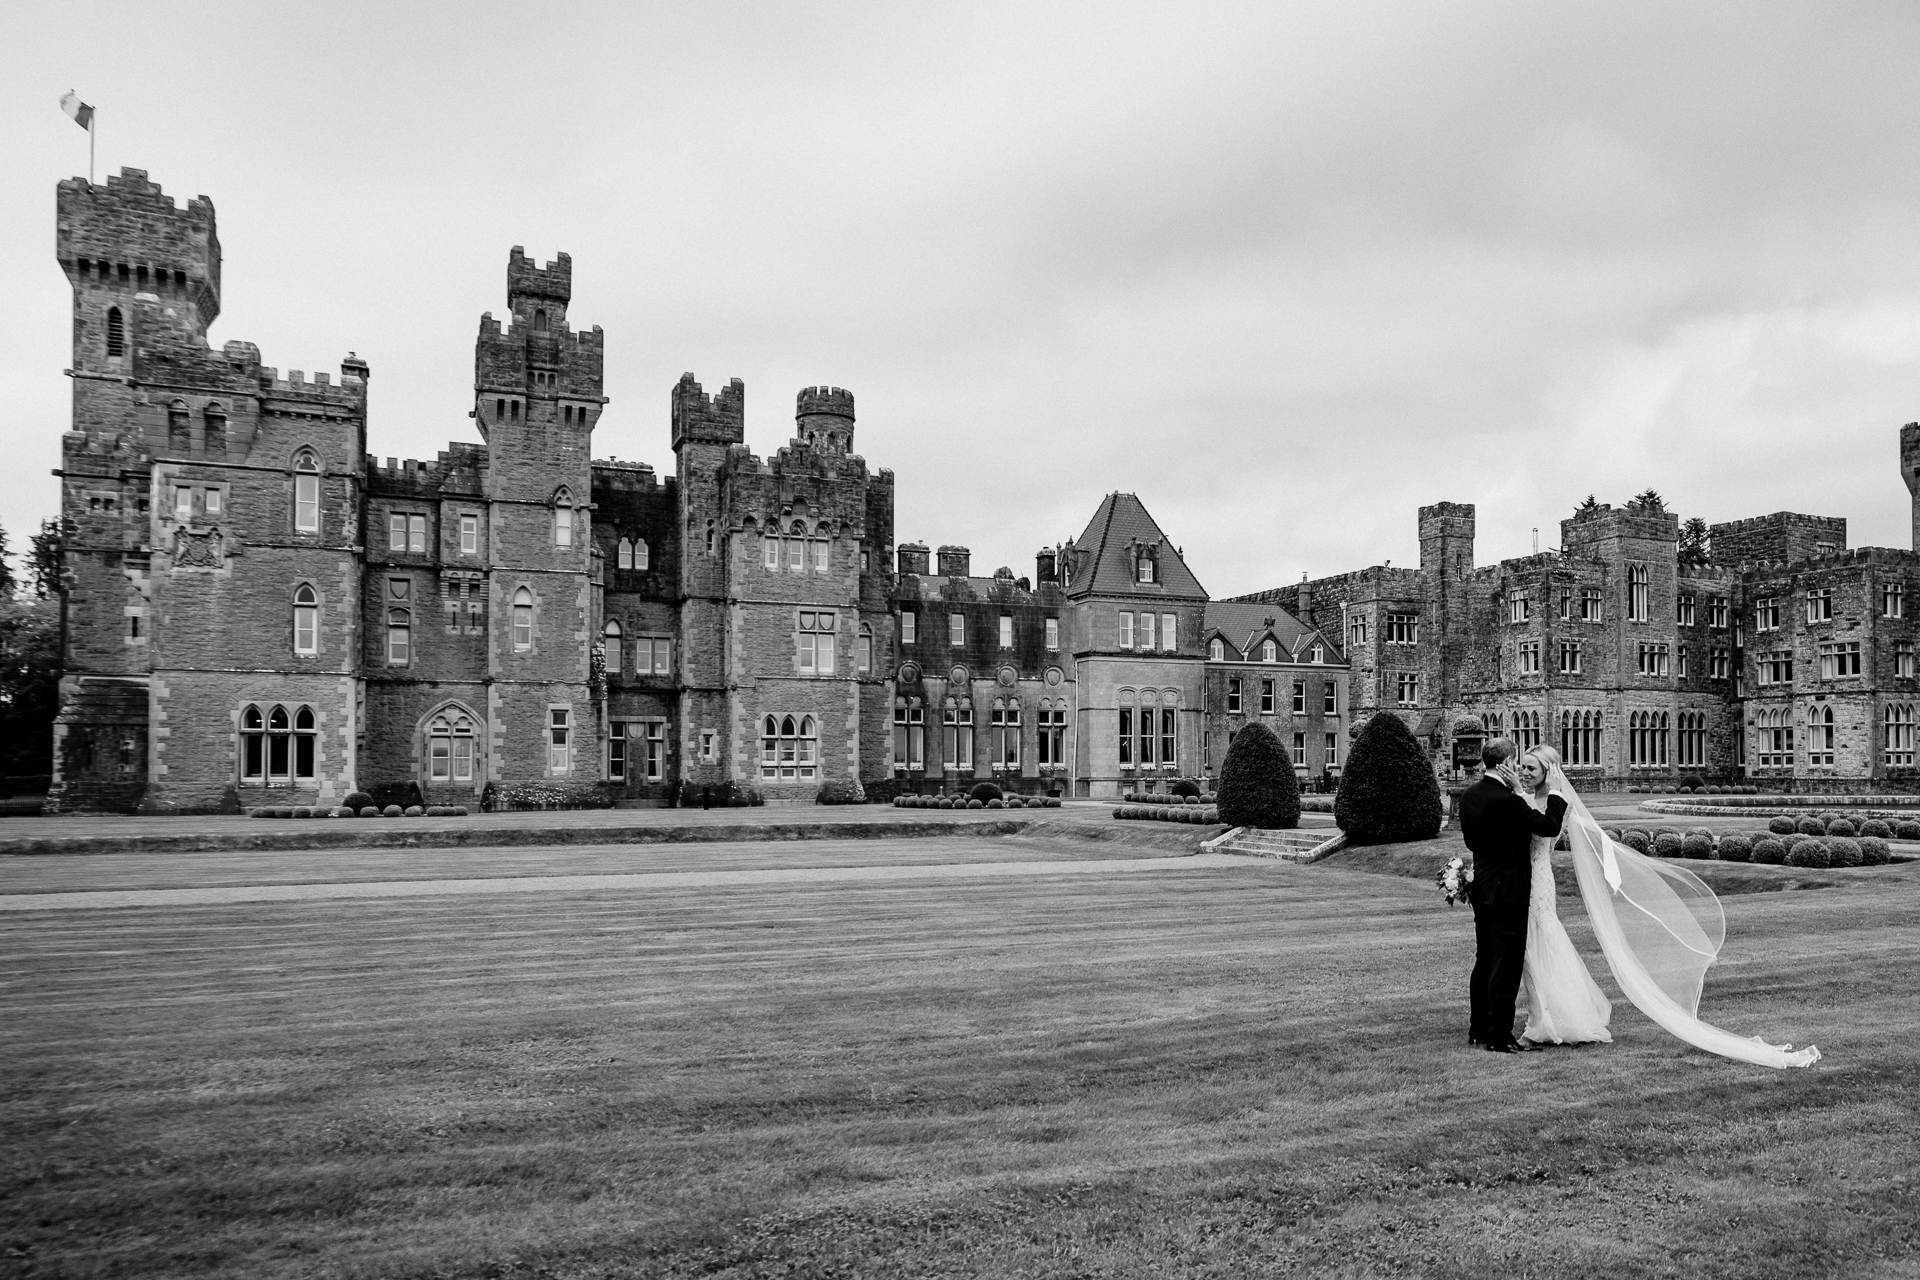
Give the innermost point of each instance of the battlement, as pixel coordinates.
(1448, 511)
(1854, 558)
(719, 419)
(1783, 536)
(830, 401)
(1579, 532)
(552, 283)
(350, 391)
(127, 235)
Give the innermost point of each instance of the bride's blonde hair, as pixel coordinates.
(1548, 757)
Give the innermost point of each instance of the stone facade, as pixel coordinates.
(1784, 657)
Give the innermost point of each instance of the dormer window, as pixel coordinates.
(1319, 653)
(1217, 651)
(1144, 568)
(1269, 651)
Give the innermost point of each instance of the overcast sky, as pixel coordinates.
(1285, 271)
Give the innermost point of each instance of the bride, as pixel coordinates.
(1658, 925)
(1563, 1002)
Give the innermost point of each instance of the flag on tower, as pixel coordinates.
(82, 113)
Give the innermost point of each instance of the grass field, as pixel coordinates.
(1259, 1070)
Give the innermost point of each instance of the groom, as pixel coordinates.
(1499, 827)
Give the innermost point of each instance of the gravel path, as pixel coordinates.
(661, 880)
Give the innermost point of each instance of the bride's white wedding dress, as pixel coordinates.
(1658, 925)
(1563, 1003)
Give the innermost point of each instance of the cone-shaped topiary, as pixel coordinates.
(1389, 792)
(1257, 786)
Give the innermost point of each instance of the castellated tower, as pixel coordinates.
(1446, 562)
(201, 494)
(537, 395)
(1910, 472)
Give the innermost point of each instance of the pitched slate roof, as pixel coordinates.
(1243, 623)
(1120, 524)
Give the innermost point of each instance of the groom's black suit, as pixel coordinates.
(1499, 828)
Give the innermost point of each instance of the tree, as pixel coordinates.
(1389, 792)
(29, 684)
(1696, 542)
(45, 561)
(1648, 500)
(1257, 786)
(1591, 504)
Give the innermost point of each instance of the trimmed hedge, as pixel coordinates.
(1844, 851)
(985, 791)
(1697, 846)
(1257, 786)
(1810, 852)
(1388, 793)
(1667, 844)
(1735, 848)
(1196, 815)
(1841, 827)
(1876, 827)
(1185, 787)
(841, 792)
(1781, 825)
(1874, 852)
(1636, 841)
(1769, 852)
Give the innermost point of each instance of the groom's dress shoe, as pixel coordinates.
(1511, 1046)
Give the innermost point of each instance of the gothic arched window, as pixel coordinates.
(306, 492)
(612, 638)
(306, 620)
(523, 619)
(116, 333)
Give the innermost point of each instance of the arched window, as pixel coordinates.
(639, 553)
(956, 727)
(523, 619)
(279, 745)
(563, 519)
(1269, 651)
(116, 334)
(1490, 723)
(1639, 601)
(1774, 738)
(306, 492)
(626, 554)
(709, 537)
(863, 652)
(214, 420)
(179, 427)
(809, 748)
(1898, 751)
(612, 644)
(253, 745)
(540, 321)
(1820, 736)
(306, 620)
(789, 749)
(1580, 738)
(909, 734)
(1526, 729)
(1216, 650)
(306, 743)
(1144, 567)
(399, 637)
(450, 748)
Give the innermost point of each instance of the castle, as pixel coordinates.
(257, 610)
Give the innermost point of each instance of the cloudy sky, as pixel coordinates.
(1286, 271)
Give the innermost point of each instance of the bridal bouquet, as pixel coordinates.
(1454, 880)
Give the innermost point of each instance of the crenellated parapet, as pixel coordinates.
(699, 418)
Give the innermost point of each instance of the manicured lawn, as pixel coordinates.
(1238, 1072)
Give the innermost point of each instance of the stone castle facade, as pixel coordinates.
(258, 610)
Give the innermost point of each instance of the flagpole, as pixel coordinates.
(90, 141)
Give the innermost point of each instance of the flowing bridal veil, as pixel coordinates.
(1659, 927)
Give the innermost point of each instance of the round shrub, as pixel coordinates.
(1876, 827)
(340, 811)
(302, 811)
(1635, 840)
(369, 811)
(1053, 802)
(1769, 852)
(1610, 832)
(1811, 852)
(1702, 831)
(413, 811)
(984, 791)
(392, 811)
(1388, 793)
(1186, 787)
(1907, 830)
(1781, 825)
(1665, 831)
(1696, 846)
(357, 800)
(1843, 851)
(282, 811)
(1692, 782)
(1257, 786)
(1667, 844)
(1841, 827)
(996, 804)
(976, 804)
(260, 812)
(1735, 848)
(1874, 852)
(1811, 826)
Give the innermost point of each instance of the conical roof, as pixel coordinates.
(1105, 555)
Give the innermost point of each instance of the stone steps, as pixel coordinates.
(1298, 845)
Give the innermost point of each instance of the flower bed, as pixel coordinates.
(1196, 814)
(964, 802)
(365, 811)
